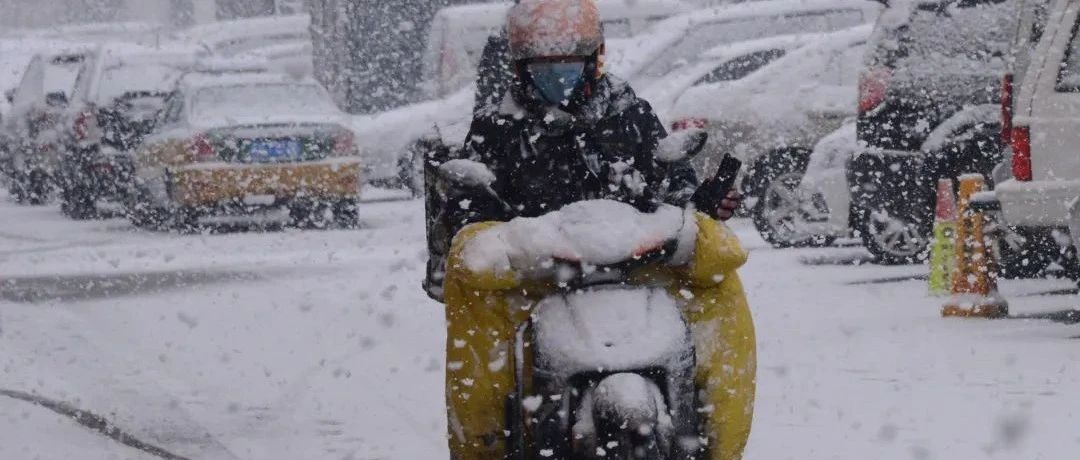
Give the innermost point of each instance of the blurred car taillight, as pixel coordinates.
(86, 126)
(1020, 139)
(201, 149)
(872, 86)
(689, 123)
(344, 142)
(1006, 108)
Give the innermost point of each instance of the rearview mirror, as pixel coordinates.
(56, 99)
(9, 95)
(681, 145)
(467, 173)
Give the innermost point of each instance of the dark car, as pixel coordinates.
(118, 95)
(927, 62)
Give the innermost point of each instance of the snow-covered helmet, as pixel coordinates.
(557, 47)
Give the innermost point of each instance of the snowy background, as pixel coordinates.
(321, 344)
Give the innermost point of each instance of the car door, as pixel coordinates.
(167, 145)
(1055, 105)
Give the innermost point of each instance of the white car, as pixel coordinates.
(724, 64)
(680, 40)
(458, 35)
(772, 118)
(1046, 130)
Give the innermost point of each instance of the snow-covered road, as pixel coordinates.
(320, 344)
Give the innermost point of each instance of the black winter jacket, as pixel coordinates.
(543, 163)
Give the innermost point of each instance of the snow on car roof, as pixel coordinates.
(485, 12)
(239, 28)
(664, 34)
(195, 81)
(132, 31)
(729, 50)
(116, 53)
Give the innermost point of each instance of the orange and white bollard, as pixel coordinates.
(974, 283)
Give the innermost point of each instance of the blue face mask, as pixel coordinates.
(556, 81)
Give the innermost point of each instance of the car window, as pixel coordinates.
(705, 36)
(741, 66)
(959, 38)
(120, 79)
(82, 78)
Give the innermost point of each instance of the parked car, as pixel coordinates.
(118, 93)
(1045, 179)
(458, 34)
(1024, 251)
(680, 40)
(772, 118)
(259, 148)
(928, 61)
(32, 129)
(721, 65)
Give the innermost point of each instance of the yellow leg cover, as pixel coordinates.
(481, 320)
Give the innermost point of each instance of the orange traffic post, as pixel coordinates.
(974, 284)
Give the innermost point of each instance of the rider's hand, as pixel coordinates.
(729, 204)
(626, 180)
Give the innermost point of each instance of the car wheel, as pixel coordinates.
(347, 213)
(1024, 254)
(183, 219)
(17, 189)
(38, 188)
(893, 238)
(77, 205)
(778, 212)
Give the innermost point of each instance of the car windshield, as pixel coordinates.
(963, 37)
(261, 100)
(119, 80)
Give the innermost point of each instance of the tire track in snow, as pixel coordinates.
(93, 422)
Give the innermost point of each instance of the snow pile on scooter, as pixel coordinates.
(612, 329)
(596, 232)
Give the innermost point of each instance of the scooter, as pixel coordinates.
(603, 368)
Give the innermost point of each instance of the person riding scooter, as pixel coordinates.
(568, 132)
